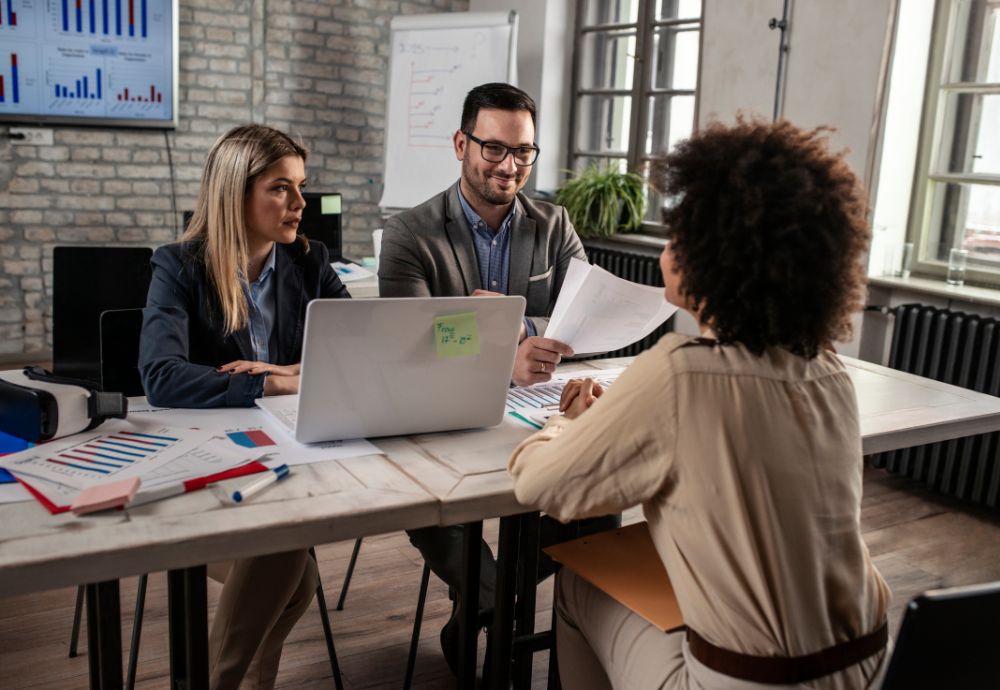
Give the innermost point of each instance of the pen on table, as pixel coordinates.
(258, 485)
(524, 419)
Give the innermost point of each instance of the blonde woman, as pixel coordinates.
(223, 325)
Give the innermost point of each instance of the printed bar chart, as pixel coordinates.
(109, 454)
(251, 438)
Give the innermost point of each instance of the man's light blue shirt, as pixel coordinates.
(492, 250)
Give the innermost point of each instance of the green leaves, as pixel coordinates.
(602, 201)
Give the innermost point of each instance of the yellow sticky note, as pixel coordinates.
(329, 205)
(456, 335)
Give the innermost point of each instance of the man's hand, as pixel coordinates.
(243, 366)
(488, 293)
(537, 358)
(578, 395)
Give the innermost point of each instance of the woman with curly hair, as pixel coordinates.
(742, 445)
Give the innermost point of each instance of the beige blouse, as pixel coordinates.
(749, 473)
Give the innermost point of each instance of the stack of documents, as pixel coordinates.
(599, 312)
(170, 451)
(163, 457)
(532, 405)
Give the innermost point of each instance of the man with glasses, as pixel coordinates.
(479, 237)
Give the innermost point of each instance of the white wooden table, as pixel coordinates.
(444, 479)
(897, 410)
(319, 503)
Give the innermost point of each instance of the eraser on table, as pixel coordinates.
(104, 496)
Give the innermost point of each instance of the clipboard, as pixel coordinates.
(624, 564)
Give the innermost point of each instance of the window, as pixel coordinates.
(956, 200)
(635, 71)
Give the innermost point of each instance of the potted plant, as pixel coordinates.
(602, 200)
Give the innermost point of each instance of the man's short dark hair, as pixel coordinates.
(768, 231)
(497, 96)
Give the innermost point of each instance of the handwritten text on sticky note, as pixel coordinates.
(456, 335)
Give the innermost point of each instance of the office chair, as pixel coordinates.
(86, 281)
(948, 639)
(418, 617)
(120, 332)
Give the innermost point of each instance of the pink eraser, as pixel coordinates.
(104, 496)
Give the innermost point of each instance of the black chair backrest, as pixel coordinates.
(87, 281)
(949, 638)
(120, 330)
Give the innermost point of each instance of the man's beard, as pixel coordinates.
(481, 186)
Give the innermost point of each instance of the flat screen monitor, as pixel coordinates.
(91, 62)
(321, 221)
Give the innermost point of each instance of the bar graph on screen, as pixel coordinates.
(7, 14)
(88, 61)
(119, 18)
(13, 86)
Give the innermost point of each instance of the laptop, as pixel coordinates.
(948, 639)
(394, 366)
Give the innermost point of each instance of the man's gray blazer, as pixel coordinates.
(428, 252)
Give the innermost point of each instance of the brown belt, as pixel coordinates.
(787, 670)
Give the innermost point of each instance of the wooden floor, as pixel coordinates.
(918, 540)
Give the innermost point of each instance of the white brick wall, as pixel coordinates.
(313, 68)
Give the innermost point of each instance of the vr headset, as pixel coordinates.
(36, 405)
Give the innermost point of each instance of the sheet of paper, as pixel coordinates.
(456, 335)
(123, 449)
(599, 312)
(530, 406)
(255, 434)
(349, 273)
(13, 493)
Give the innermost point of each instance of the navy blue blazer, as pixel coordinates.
(182, 340)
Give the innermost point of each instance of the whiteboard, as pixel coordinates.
(436, 60)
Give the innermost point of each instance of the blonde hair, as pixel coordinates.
(219, 222)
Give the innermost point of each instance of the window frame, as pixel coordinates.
(938, 139)
(641, 93)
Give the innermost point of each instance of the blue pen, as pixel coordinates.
(257, 485)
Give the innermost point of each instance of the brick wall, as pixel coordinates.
(313, 68)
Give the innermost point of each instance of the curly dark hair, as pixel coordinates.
(768, 233)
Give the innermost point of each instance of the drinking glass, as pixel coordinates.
(957, 261)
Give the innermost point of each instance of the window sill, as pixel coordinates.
(939, 288)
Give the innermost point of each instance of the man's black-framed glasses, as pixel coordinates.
(495, 152)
